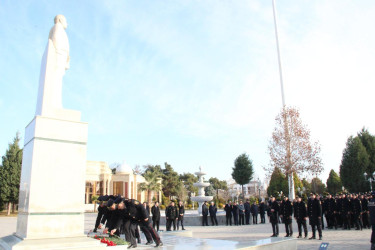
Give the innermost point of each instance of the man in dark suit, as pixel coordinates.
(171, 215)
(213, 209)
(300, 214)
(273, 214)
(262, 211)
(181, 214)
(205, 214)
(247, 212)
(228, 213)
(286, 212)
(254, 211)
(155, 210)
(235, 212)
(316, 217)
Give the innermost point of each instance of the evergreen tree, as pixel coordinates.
(242, 170)
(334, 184)
(278, 182)
(218, 184)
(171, 181)
(10, 173)
(188, 179)
(317, 186)
(354, 163)
(368, 142)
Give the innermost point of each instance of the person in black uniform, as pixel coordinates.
(273, 216)
(357, 212)
(145, 224)
(330, 210)
(365, 212)
(117, 212)
(316, 217)
(247, 212)
(133, 224)
(228, 213)
(155, 210)
(181, 214)
(144, 227)
(262, 211)
(241, 210)
(338, 210)
(300, 214)
(171, 215)
(345, 212)
(235, 212)
(102, 209)
(254, 212)
(371, 209)
(286, 212)
(213, 209)
(204, 214)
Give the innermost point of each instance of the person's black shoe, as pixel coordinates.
(312, 238)
(94, 230)
(130, 246)
(273, 235)
(306, 236)
(299, 236)
(139, 241)
(183, 228)
(320, 237)
(159, 244)
(286, 235)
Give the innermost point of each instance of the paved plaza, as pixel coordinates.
(232, 236)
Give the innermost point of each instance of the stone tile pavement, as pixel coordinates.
(337, 239)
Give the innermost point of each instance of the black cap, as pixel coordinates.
(110, 203)
(118, 199)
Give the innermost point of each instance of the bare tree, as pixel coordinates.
(291, 148)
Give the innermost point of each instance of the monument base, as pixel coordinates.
(15, 243)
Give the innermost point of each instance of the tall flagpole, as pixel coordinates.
(278, 53)
(289, 172)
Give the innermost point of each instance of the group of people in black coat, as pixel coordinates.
(117, 215)
(242, 213)
(175, 215)
(286, 210)
(212, 210)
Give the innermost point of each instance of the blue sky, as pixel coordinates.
(195, 83)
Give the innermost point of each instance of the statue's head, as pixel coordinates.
(61, 19)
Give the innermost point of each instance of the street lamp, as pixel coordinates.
(259, 187)
(369, 179)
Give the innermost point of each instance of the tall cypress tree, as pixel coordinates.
(333, 182)
(278, 182)
(354, 164)
(10, 173)
(242, 171)
(368, 142)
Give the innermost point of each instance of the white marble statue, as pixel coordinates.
(54, 63)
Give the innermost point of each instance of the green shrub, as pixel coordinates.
(162, 207)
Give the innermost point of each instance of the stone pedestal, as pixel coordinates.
(51, 202)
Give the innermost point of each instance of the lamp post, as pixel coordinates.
(259, 187)
(369, 179)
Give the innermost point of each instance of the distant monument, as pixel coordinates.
(51, 200)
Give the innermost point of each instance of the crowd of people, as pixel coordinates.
(117, 215)
(243, 212)
(344, 211)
